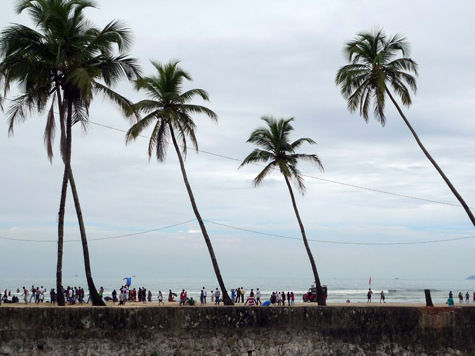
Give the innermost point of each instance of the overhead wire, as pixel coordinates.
(374, 190)
(256, 232)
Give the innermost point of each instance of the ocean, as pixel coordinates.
(339, 290)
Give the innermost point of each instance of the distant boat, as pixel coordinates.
(472, 277)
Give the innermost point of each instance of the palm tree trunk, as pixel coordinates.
(226, 299)
(95, 297)
(436, 166)
(62, 204)
(320, 297)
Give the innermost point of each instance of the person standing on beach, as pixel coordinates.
(204, 295)
(238, 294)
(32, 290)
(217, 295)
(182, 297)
(370, 293)
(467, 297)
(25, 295)
(160, 297)
(258, 296)
(243, 293)
(382, 298)
(460, 297)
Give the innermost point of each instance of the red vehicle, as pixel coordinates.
(311, 295)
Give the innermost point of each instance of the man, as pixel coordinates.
(243, 293)
(33, 293)
(258, 296)
(203, 293)
(382, 297)
(217, 295)
(182, 297)
(25, 295)
(370, 293)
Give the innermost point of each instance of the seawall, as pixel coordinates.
(334, 330)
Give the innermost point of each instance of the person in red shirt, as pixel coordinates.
(182, 297)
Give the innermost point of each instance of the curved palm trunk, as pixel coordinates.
(226, 299)
(320, 297)
(96, 299)
(436, 166)
(62, 204)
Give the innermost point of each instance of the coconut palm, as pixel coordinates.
(64, 63)
(169, 111)
(278, 152)
(377, 64)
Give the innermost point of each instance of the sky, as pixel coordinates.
(260, 58)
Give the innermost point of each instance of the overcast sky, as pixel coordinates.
(261, 58)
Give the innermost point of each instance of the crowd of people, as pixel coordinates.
(450, 300)
(76, 295)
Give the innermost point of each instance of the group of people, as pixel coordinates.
(130, 295)
(450, 300)
(382, 296)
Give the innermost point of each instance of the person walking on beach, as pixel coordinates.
(292, 297)
(25, 295)
(258, 296)
(370, 293)
(382, 297)
(160, 297)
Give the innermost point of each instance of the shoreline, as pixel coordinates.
(138, 305)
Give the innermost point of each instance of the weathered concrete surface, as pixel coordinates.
(237, 330)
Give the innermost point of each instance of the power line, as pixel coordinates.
(341, 242)
(374, 190)
(102, 238)
(333, 242)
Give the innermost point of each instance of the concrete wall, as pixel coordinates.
(236, 330)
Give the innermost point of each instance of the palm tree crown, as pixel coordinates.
(67, 53)
(168, 107)
(375, 65)
(277, 148)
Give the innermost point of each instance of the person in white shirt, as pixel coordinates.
(258, 296)
(217, 294)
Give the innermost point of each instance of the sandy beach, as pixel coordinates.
(210, 305)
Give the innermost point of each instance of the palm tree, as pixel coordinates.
(63, 63)
(276, 147)
(169, 110)
(374, 68)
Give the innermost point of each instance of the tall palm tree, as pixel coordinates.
(169, 110)
(278, 152)
(378, 63)
(63, 63)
